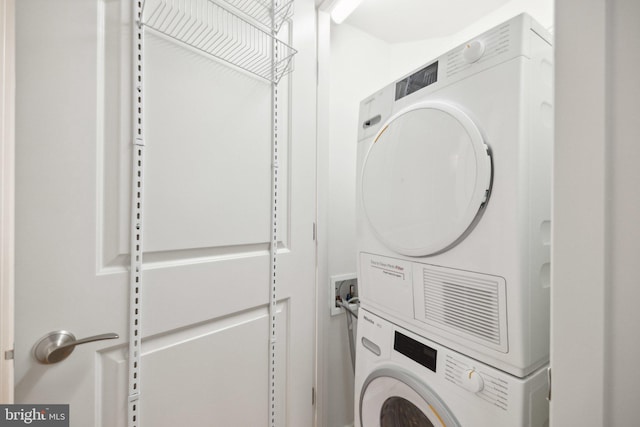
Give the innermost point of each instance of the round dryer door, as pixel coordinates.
(393, 398)
(426, 179)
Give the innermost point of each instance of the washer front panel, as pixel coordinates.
(426, 179)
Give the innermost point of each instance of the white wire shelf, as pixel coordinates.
(212, 29)
(260, 10)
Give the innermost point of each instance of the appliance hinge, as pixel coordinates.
(314, 231)
(313, 396)
(549, 383)
(8, 355)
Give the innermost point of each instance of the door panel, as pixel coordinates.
(232, 364)
(204, 125)
(205, 281)
(198, 376)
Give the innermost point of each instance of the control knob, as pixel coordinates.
(472, 381)
(473, 51)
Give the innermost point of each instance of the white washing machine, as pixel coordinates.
(403, 379)
(454, 193)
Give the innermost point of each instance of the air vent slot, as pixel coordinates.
(467, 304)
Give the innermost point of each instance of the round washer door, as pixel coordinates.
(426, 179)
(394, 398)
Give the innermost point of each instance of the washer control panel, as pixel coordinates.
(415, 350)
(486, 386)
(472, 380)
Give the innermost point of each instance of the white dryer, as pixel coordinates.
(454, 191)
(403, 379)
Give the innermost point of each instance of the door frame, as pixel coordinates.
(7, 193)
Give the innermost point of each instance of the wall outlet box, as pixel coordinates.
(342, 287)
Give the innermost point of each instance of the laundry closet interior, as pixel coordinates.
(200, 183)
(365, 61)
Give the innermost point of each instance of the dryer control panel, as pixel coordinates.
(418, 80)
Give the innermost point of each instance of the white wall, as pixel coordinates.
(7, 154)
(622, 375)
(356, 65)
(596, 237)
(578, 219)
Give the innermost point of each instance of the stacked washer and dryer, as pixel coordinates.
(454, 194)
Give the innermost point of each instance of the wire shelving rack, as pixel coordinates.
(232, 34)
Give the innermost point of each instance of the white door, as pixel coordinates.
(205, 280)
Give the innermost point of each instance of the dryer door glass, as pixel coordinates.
(426, 179)
(393, 398)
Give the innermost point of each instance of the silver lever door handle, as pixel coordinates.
(58, 345)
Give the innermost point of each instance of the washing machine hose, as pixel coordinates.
(350, 323)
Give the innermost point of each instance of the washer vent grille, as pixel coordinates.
(465, 303)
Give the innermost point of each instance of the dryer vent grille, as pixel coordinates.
(467, 303)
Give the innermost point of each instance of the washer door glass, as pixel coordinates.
(426, 179)
(394, 398)
(399, 412)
